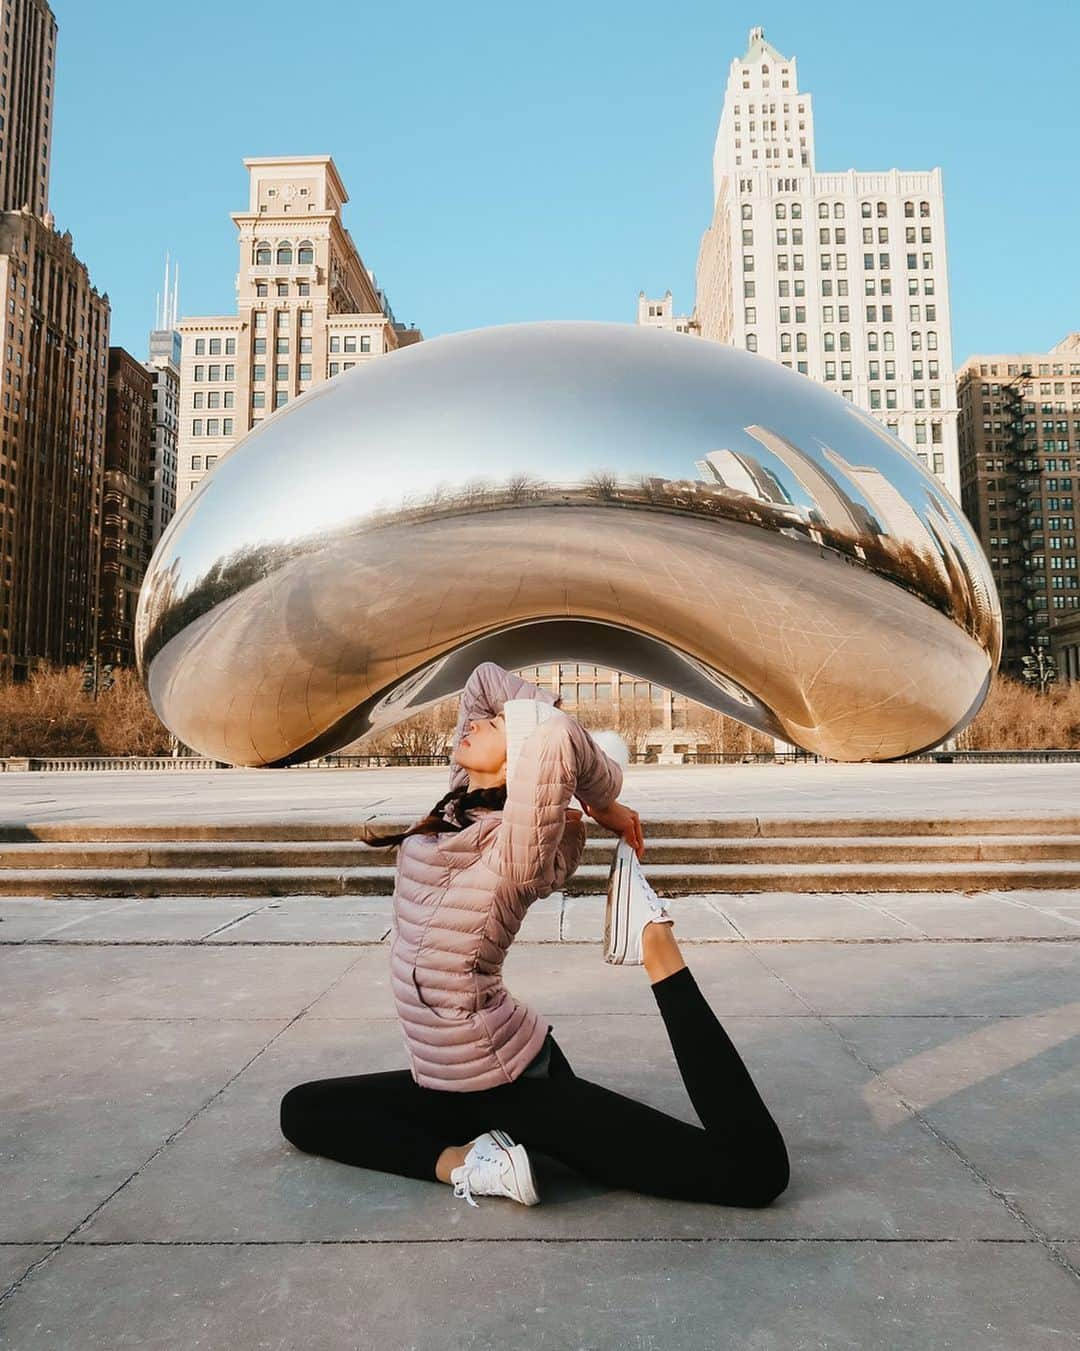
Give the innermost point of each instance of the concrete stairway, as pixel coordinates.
(683, 858)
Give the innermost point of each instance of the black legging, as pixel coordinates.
(388, 1122)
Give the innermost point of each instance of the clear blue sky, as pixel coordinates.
(512, 162)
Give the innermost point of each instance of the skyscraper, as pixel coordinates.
(840, 276)
(1019, 460)
(126, 514)
(52, 445)
(163, 363)
(54, 367)
(28, 35)
(308, 309)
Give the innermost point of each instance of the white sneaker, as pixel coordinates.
(631, 904)
(495, 1166)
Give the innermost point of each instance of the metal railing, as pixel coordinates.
(180, 763)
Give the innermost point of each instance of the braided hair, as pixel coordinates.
(452, 812)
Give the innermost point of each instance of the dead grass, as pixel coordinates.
(1017, 717)
(49, 715)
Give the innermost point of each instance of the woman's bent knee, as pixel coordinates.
(294, 1115)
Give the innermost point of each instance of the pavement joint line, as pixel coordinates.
(944, 1140)
(13, 1289)
(858, 898)
(552, 1240)
(230, 922)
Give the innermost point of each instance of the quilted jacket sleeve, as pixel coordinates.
(568, 854)
(487, 690)
(557, 761)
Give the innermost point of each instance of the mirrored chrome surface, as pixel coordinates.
(689, 513)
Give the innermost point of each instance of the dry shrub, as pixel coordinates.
(1016, 716)
(49, 715)
(126, 721)
(427, 733)
(720, 735)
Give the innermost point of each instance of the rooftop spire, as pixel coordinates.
(757, 48)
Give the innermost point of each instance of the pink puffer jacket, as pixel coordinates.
(460, 898)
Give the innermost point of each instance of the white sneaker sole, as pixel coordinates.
(524, 1179)
(617, 915)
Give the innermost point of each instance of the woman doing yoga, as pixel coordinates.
(487, 1083)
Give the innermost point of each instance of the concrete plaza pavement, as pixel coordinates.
(668, 791)
(918, 1051)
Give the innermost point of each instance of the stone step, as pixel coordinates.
(353, 854)
(727, 827)
(668, 879)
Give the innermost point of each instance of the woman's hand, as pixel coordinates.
(624, 821)
(573, 815)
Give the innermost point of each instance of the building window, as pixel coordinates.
(365, 343)
(263, 256)
(258, 399)
(213, 372)
(260, 321)
(281, 373)
(196, 427)
(281, 346)
(281, 397)
(258, 372)
(261, 288)
(305, 318)
(200, 347)
(259, 347)
(350, 343)
(196, 462)
(227, 426)
(230, 347)
(751, 342)
(305, 253)
(305, 370)
(305, 344)
(197, 399)
(213, 426)
(335, 366)
(284, 255)
(215, 347)
(335, 343)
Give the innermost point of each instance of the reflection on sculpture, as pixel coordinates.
(680, 510)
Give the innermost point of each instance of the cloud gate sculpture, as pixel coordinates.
(693, 514)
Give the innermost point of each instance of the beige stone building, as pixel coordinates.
(1019, 436)
(307, 309)
(660, 313)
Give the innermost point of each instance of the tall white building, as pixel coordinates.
(841, 276)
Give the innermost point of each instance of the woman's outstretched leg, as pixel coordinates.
(736, 1157)
(716, 1079)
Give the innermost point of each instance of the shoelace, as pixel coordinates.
(484, 1171)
